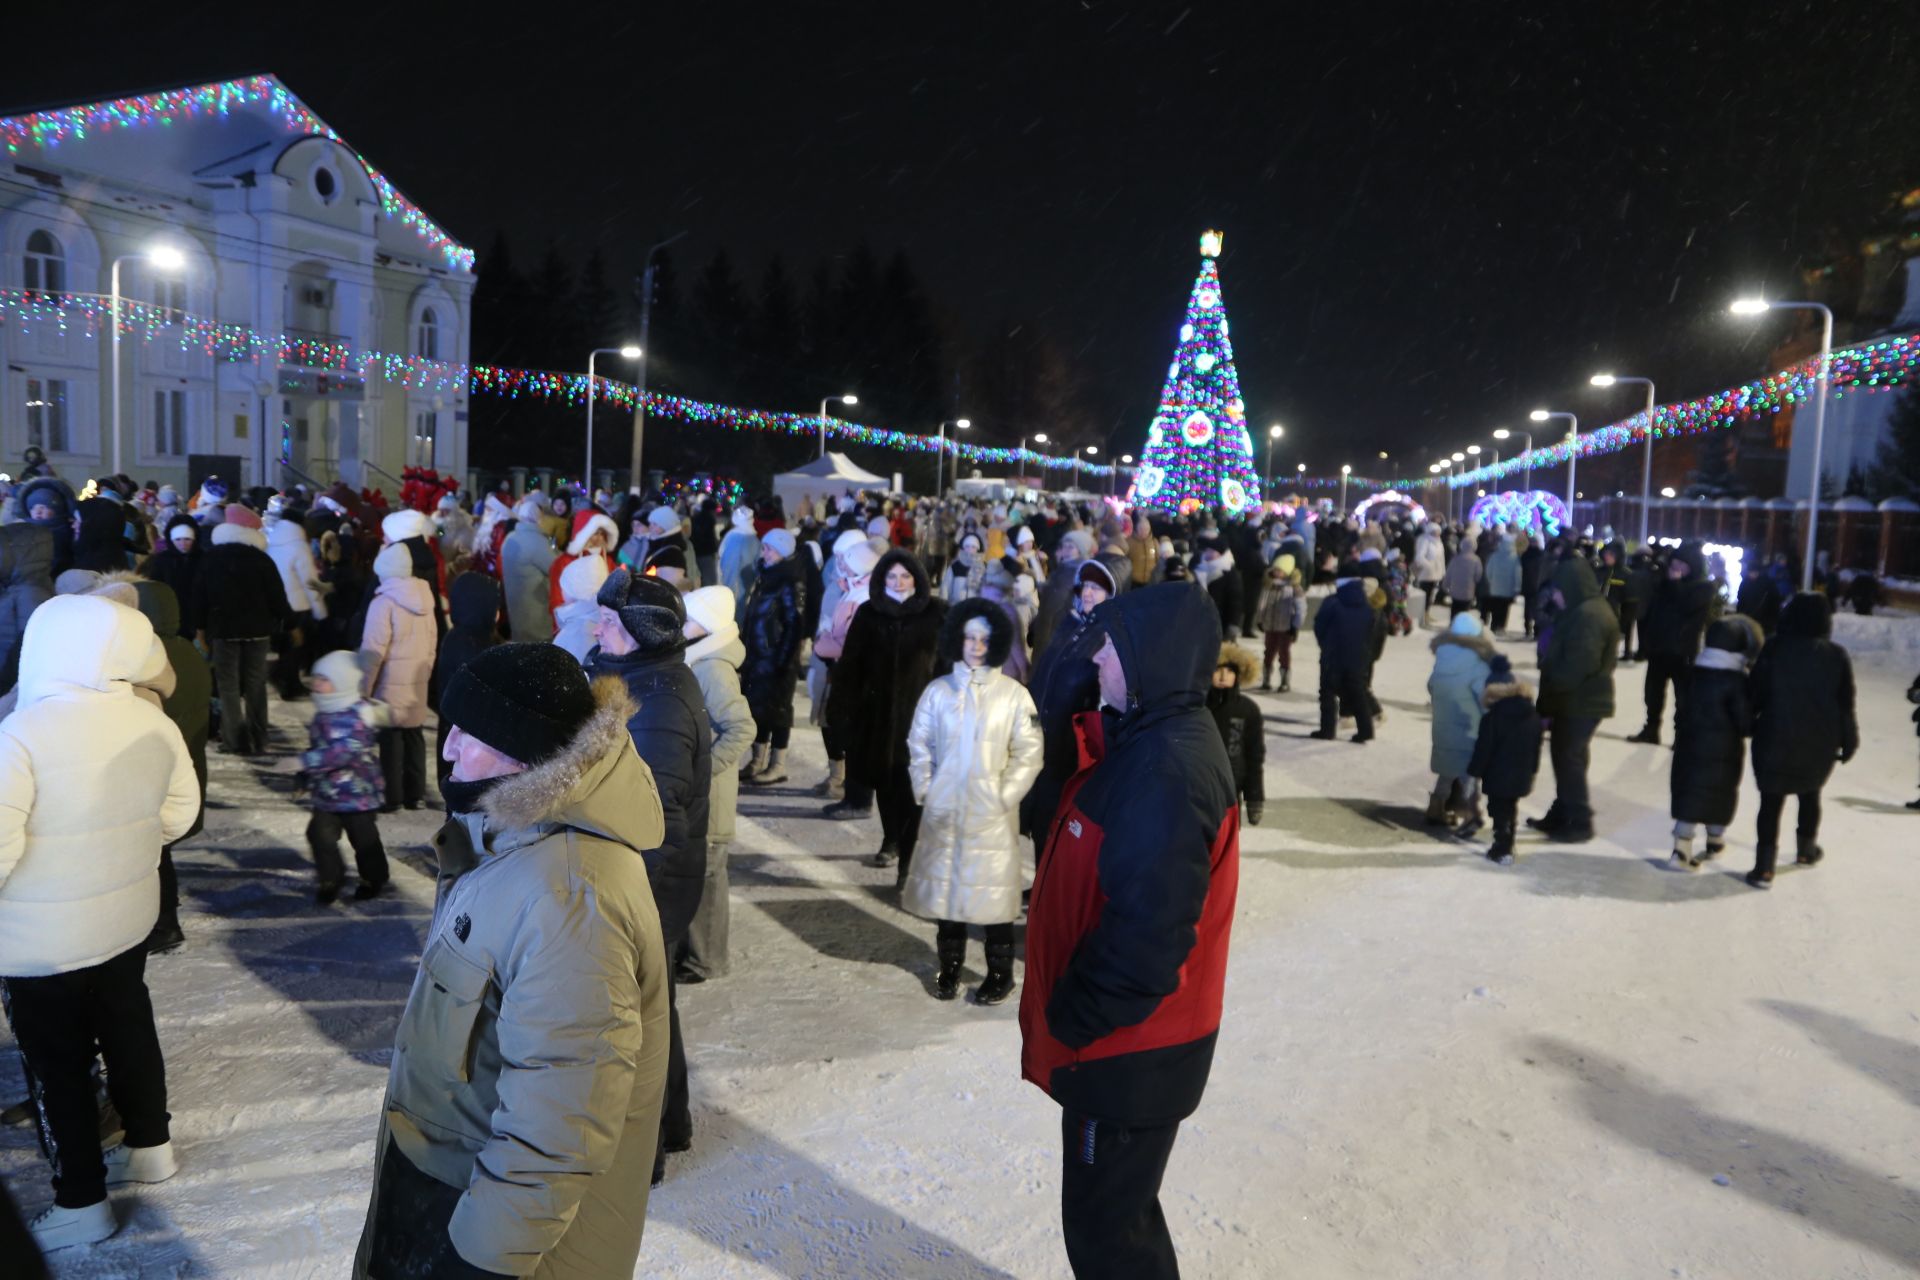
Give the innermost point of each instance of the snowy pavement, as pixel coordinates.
(1581, 1066)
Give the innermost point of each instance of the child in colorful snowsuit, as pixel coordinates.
(1282, 611)
(1241, 727)
(344, 778)
(1506, 752)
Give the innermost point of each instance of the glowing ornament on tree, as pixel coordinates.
(1147, 482)
(1208, 461)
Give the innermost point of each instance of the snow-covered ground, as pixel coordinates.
(1581, 1066)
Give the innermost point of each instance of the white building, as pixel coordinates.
(347, 308)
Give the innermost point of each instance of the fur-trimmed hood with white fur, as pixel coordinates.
(531, 1058)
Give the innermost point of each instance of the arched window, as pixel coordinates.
(426, 339)
(46, 264)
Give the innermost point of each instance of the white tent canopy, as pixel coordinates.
(825, 477)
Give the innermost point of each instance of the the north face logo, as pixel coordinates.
(462, 926)
(1073, 825)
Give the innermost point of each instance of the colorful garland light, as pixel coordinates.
(1534, 512)
(1390, 498)
(48, 130)
(1198, 449)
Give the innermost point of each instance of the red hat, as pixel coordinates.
(242, 516)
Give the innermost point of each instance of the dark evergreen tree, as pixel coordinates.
(1897, 465)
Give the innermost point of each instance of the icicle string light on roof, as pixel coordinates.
(49, 130)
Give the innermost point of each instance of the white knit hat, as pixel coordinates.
(712, 608)
(743, 518)
(860, 559)
(663, 521)
(583, 579)
(406, 523)
(394, 561)
(848, 541)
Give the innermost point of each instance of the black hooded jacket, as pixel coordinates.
(26, 560)
(179, 570)
(671, 733)
(101, 544)
(1678, 613)
(1803, 704)
(773, 628)
(1344, 628)
(53, 492)
(1063, 683)
(892, 646)
(473, 609)
(1710, 739)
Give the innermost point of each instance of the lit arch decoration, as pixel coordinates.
(1389, 498)
(1534, 511)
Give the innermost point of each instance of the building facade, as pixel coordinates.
(283, 303)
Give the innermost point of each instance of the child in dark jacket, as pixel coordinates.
(1506, 753)
(1241, 727)
(1710, 741)
(344, 778)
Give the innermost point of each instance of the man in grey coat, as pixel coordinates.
(523, 1106)
(526, 560)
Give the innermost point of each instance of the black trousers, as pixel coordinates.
(1347, 688)
(1570, 747)
(1660, 670)
(240, 674)
(777, 735)
(290, 656)
(899, 815)
(60, 1021)
(953, 933)
(676, 1109)
(1110, 1199)
(362, 831)
(1772, 805)
(1504, 810)
(1502, 608)
(169, 887)
(403, 760)
(1457, 606)
(1629, 617)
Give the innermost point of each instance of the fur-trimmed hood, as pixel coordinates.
(1514, 688)
(953, 632)
(597, 784)
(1242, 662)
(1481, 643)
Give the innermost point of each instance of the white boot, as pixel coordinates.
(59, 1228)
(776, 770)
(139, 1164)
(755, 762)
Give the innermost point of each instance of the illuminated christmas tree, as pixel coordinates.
(1198, 451)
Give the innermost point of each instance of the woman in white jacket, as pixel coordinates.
(93, 781)
(306, 596)
(1429, 566)
(973, 751)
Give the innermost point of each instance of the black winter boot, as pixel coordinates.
(1286, 686)
(999, 983)
(1649, 735)
(953, 954)
(1556, 817)
(1470, 825)
(1761, 877)
(1502, 850)
(1807, 853)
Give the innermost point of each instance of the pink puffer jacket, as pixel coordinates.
(397, 649)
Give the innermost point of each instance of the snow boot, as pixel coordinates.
(367, 890)
(1286, 686)
(1437, 815)
(327, 893)
(1716, 845)
(776, 770)
(1323, 735)
(165, 936)
(754, 762)
(845, 810)
(1683, 859)
(953, 955)
(1266, 676)
(888, 855)
(60, 1228)
(140, 1164)
(1807, 853)
(999, 983)
(1470, 825)
(1502, 848)
(1913, 804)
(1761, 877)
(834, 785)
(1649, 735)
(1552, 821)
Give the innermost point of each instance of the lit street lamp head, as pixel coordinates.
(1346, 471)
(1501, 433)
(630, 352)
(1459, 457)
(963, 423)
(1093, 449)
(1474, 449)
(1749, 306)
(1276, 431)
(164, 257)
(1538, 415)
(1602, 380)
(1126, 457)
(849, 399)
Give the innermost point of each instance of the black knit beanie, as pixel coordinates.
(527, 701)
(652, 611)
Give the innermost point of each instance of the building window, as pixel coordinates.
(170, 422)
(426, 338)
(426, 425)
(170, 299)
(46, 264)
(325, 185)
(47, 414)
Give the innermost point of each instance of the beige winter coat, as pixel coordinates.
(531, 1059)
(715, 661)
(973, 751)
(396, 651)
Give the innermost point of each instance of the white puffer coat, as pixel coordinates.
(93, 780)
(973, 751)
(293, 555)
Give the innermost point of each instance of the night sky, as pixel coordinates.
(1434, 221)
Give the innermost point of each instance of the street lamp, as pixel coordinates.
(849, 398)
(635, 477)
(940, 457)
(1274, 432)
(1502, 433)
(1646, 463)
(1039, 437)
(1573, 441)
(630, 352)
(163, 258)
(1753, 307)
(1345, 471)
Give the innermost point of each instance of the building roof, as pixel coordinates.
(48, 130)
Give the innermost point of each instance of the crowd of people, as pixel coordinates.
(1046, 705)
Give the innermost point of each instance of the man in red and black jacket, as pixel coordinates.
(1127, 932)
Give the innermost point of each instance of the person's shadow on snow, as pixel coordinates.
(1892, 1063)
(1783, 1172)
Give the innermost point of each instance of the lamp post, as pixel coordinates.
(164, 258)
(1345, 471)
(1501, 433)
(1113, 479)
(635, 481)
(631, 352)
(1039, 437)
(1646, 462)
(1274, 433)
(824, 402)
(1573, 441)
(1753, 307)
(940, 457)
